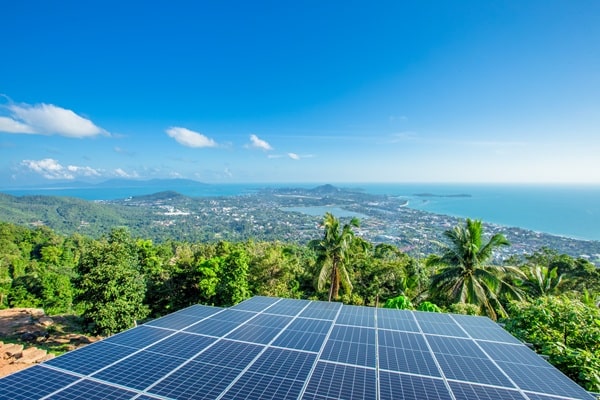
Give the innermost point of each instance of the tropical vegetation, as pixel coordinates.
(545, 298)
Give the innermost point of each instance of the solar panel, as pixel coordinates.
(271, 348)
(90, 390)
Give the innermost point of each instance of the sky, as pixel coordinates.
(305, 91)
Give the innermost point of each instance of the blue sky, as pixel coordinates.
(311, 91)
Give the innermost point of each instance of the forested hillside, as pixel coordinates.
(268, 215)
(546, 298)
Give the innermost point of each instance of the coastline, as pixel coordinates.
(566, 211)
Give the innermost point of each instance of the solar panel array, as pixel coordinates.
(271, 348)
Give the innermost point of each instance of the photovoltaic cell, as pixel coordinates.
(33, 383)
(321, 310)
(543, 380)
(391, 313)
(442, 329)
(334, 381)
(213, 327)
(182, 345)
(357, 316)
(287, 364)
(310, 325)
(230, 354)
(128, 372)
(399, 386)
(398, 324)
(455, 346)
(494, 333)
(91, 358)
(254, 334)
(467, 321)
(402, 340)
(139, 337)
(200, 311)
(465, 391)
(196, 380)
(89, 390)
(300, 340)
(288, 307)
(353, 334)
(438, 318)
(472, 370)
(513, 353)
(259, 386)
(405, 360)
(349, 353)
(234, 316)
(256, 303)
(271, 321)
(174, 321)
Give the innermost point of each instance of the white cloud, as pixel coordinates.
(11, 126)
(190, 138)
(293, 156)
(257, 143)
(83, 171)
(50, 168)
(123, 174)
(47, 119)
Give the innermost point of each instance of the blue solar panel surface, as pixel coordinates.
(271, 348)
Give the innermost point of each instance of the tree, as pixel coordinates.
(540, 280)
(379, 273)
(111, 287)
(465, 275)
(333, 252)
(233, 282)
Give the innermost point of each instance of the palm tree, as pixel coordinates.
(541, 280)
(333, 251)
(465, 275)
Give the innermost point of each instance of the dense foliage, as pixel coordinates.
(118, 279)
(564, 329)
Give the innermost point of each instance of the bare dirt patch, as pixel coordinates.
(28, 336)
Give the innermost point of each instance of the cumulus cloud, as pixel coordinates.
(257, 143)
(83, 171)
(47, 119)
(293, 156)
(190, 138)
(50, 168)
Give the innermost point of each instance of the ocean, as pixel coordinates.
(565, 210)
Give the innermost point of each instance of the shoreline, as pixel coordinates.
(442, 199)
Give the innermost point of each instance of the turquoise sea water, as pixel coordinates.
(568, 210)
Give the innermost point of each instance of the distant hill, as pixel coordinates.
(131, 183)
(120, 183)
(66, 215)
